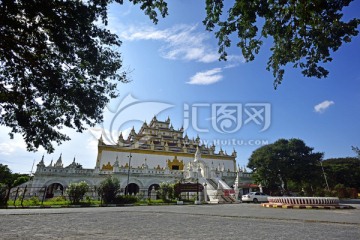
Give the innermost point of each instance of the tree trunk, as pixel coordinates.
(7, 196)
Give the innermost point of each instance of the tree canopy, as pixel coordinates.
(357, 151)
(108, 189)
(304, 33)
(58, 65)
(77, 191)
(344, 171)
(9, 180)
(5, 175)
(276, 165)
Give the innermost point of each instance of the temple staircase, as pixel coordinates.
(218, 191)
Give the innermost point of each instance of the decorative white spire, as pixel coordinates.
(121, 137)
(221, 152)
(197, 154)
(197, 139)
(234, 153)
(59, 162)
(145, 164)
(101, 141)
(190, 167)
(116, 164)
(41, 163)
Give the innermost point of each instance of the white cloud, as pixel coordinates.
(8, 147)
(108, 137)
(236, 58)
(234, 61)
(207, 77)
(140, 33)
(182, 42)
(92, 143)
(321, 107)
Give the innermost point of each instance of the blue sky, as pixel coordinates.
(174, 63)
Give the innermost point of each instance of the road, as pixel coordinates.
(234, 221)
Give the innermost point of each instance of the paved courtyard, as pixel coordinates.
(237, 221)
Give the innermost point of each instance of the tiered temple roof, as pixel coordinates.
(161, 136)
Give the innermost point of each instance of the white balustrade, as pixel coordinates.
(304, 200)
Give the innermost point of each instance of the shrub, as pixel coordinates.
(329, 193)
(126, 199)
(58, 199)
(76, 191)
(166, 191)
(140, 196)
(34, 201)
(108, 189)
(353, 193)
(341, 190)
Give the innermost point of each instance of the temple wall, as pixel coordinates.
(160, 159)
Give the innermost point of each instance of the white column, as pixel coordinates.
(205, 192)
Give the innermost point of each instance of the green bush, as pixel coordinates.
(126, 199)
(34, 201)
(329, 193)
(166, 191)
(58, 199)
(108, 189)
(140, 196)
(341, 190)
(76, 191)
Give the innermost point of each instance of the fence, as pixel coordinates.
(37, 195)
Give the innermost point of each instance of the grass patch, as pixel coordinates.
(57, 201)
(63, 202)
(155, 202)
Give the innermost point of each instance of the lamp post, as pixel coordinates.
(205, 192)
(128, 176)
(197, 188)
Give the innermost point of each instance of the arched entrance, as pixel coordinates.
(54, 190)
(155, 186)
(132, 189)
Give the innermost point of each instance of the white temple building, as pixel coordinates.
(156, 153)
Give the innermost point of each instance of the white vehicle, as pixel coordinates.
(255, 197)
